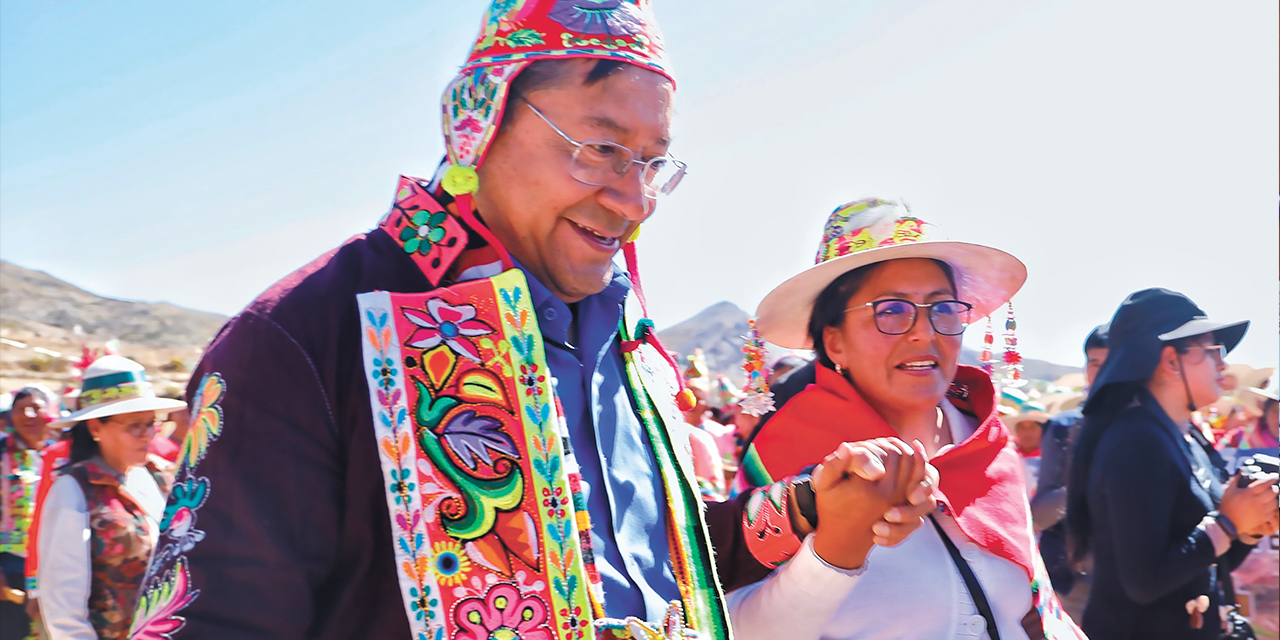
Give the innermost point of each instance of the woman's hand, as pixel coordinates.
(857, 486)
(1251, 509)
(901, 520)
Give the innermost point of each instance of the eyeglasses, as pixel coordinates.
(140, 429)
(600, 162)
(1216, 351)
(895, 316)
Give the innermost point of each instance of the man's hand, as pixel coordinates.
(858, 486)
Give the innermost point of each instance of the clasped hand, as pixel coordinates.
(872, 492)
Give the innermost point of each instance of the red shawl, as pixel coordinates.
(980, 479)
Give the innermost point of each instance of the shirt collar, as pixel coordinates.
(554, 316)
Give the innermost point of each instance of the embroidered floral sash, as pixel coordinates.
(487, 539)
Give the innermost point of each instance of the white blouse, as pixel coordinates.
(65, 569)
(911, 591)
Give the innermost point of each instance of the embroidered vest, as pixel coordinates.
(490, 530)
(120, 546)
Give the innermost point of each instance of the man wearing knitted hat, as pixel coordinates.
(461, 428)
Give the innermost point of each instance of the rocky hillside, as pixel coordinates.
(28, 296)
(39, 316)
(718, 331)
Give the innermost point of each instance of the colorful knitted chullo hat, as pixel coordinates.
(518, 32)
(513, 35)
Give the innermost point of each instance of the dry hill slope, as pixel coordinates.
(28, 296)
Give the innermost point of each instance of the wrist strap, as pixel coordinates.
(1228, 527)
(970, 581)
(806, 500)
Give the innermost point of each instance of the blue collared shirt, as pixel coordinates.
(625, 496)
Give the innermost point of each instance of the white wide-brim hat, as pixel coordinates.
(115, 385)
(874, 230)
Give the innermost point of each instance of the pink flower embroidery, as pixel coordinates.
(502, 613)
(448, 325)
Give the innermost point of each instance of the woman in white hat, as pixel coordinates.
(884, 310)
(102, 517)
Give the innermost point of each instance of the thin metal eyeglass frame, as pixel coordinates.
(650, 191)
(1216, 351)
(968, 308)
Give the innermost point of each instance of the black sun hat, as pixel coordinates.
(1145, 322)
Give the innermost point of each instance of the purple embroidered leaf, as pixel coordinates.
(473, 436)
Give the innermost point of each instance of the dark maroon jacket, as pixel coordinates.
(297, 541)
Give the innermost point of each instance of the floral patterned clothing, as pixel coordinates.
(122, 515)
(19, 479)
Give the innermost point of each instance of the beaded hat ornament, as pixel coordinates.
(758, 399)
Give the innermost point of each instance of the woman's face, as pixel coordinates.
(903, 372)
(124, 438)
(28, 417)
(1203, 370)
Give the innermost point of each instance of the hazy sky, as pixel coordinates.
(197, 152)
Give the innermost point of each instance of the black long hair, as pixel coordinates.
(1092, 427)
(83, 445)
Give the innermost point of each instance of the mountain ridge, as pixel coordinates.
(34, 300)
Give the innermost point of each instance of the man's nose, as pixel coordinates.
(626, 195)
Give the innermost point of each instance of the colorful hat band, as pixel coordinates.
(94, 397)
(113, 379)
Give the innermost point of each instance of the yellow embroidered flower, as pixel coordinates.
(449, 563)
(460, 179)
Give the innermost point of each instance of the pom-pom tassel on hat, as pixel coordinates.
(685, 399)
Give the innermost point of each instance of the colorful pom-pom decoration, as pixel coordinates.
(686, 400)
(758, 400)
(459, 180)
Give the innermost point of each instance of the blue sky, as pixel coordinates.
(196, 153)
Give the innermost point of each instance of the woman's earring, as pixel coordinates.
(839, 370)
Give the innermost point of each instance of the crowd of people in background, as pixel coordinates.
(70, 469)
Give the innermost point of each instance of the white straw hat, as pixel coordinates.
(874, 230)
(114, 385)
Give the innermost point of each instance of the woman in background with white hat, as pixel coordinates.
(102, 517)
(884, 310)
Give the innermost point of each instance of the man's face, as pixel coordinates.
(563, 231)
(1093, 361)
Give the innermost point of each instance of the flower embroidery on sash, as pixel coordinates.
(165, 594)
(445, 324)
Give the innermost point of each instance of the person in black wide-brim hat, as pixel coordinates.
(1154, 504)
